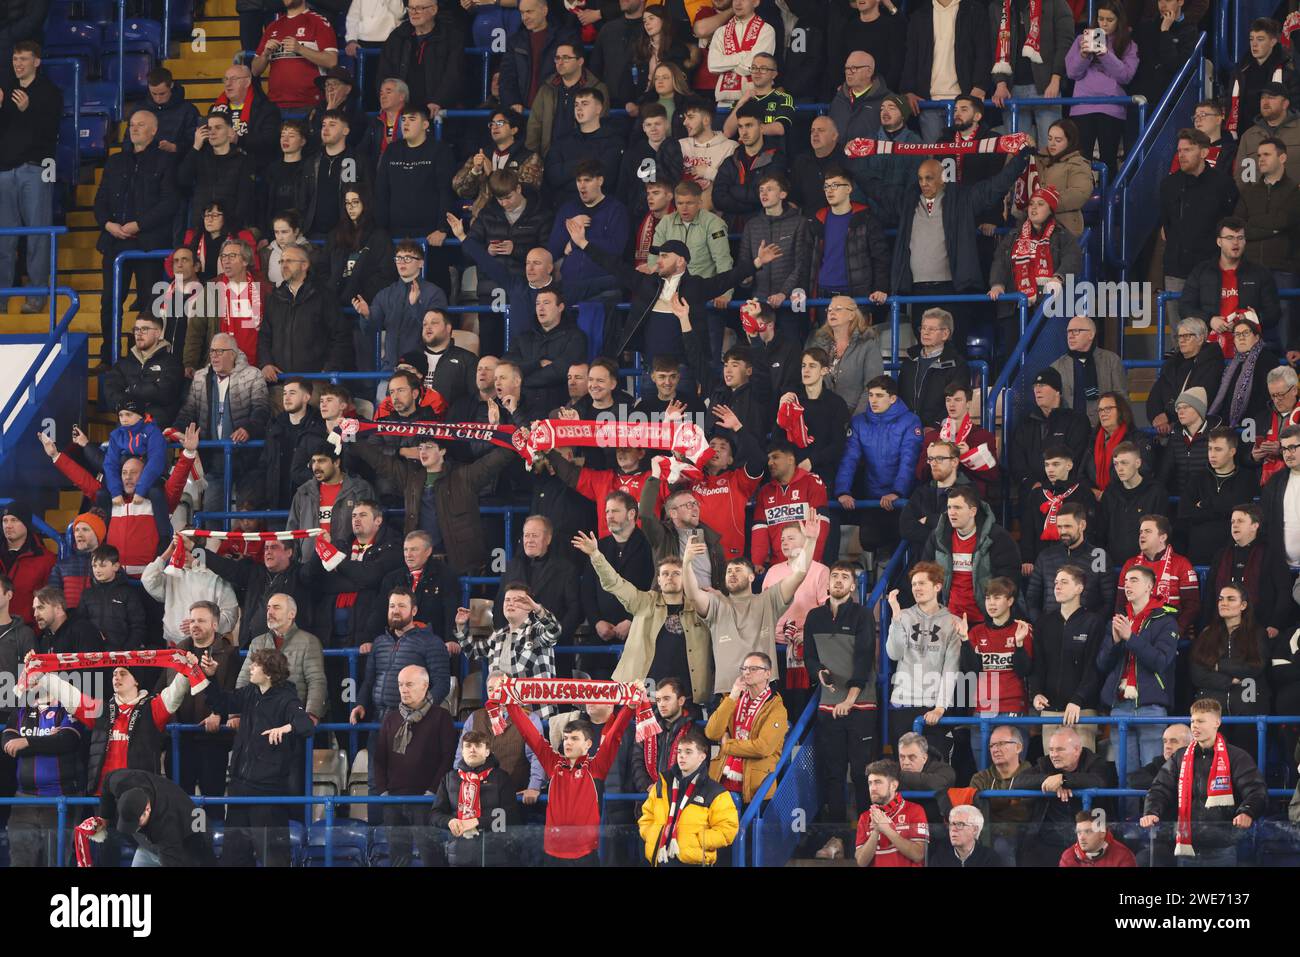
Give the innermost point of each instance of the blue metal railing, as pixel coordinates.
(25, 390)
(1128, 222)
(1121, 722)
(48, 291)
(748, 819)
(1014, 105)
(122, 257)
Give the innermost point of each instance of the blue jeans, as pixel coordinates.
(25, 200)
(1214, 857)
(1042, 118)
(145, 858)
(933, 123)
(1144, 740)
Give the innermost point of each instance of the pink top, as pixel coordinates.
(813, 591)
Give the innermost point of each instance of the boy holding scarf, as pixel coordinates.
(477, 800)
(1213, 788)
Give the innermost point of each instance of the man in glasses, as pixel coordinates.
(929, 502)
(508, 154)
(1280, 516)
(775, 106)
(427, 52)
(304, 330)
(399, 309)
(1285, 412)
(751, 724)
(551, 115)
(523, 68)
(850, 254)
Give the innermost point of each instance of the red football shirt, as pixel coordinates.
(328, 496)
(999, 689)
(908, 820)
(961, 597)
(777, 506)
(597, 484)
(722, 507)
(292, 76)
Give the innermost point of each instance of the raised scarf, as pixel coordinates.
(1051, 508)
(1033, 39)
(410, 718)
(1031, 258)
(979, 458)
(469, 799)
(734, 43)
(1244, 364)
(650, 750)
(1103, 454)
(747, 708)
(683, 439)
(1218, 791)
(667, 849)
(789, 416)
(330, 557)
(1010, 143)
(172, 658)
(572, 691)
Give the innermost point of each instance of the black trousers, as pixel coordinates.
(409, 828)
(848, 740)
(256, 831)
(203, 765)
(1098, 128)
(147, 273)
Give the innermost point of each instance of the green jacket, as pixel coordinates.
(706, 238)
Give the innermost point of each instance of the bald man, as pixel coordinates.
(411, 754)
(134, 206)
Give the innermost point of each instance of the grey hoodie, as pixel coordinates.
(926, 649)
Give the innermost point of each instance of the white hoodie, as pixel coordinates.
(373, 20)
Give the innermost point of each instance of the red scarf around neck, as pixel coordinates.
(1103, 454)
(1033, 39)
(469, 800)
(1031, 258)
(747, 708)
(650, 751)
(667, 849)
(1218, 791)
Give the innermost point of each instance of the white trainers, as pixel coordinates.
(832, 850)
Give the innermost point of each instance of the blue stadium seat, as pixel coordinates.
(351, 845)
(380, 851)
(486, 21)
(63, 75)
(61, 11)
(141, 36)
(65, 152)
(217, 828)
(135, 72)
(96, 126)
(73, 39)
(100, 97)
(100, 11)
(977, 347)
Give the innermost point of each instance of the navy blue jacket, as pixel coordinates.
(1155, 647)
(389, 655)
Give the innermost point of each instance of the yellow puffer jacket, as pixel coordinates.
(707, 823)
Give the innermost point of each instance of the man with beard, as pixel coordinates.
(628, 475)
(289, 438)
(667, 637)
(433, 584)
(893, 832)
(839, 650)
(442, 366)
(676, 715)
(398, 310)
(255, 582)
(1071, 548)
(628, 553)
(327, 499)
(740, 621)
(792, 495)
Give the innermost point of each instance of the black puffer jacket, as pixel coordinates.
(497, 803)
(254, 760)
(532, 228)
(155, 381)
(117, 610)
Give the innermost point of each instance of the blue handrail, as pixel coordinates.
(122, 257)
(25, 391)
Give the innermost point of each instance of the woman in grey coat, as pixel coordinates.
(854, 348)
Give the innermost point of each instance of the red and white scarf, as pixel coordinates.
(172, 658)
(790, 417)
(1051, 508)
(1103, 454)
(1136, 622)
(1031, 258)
(747, 708)
(1218, 791)
(85, 832)
(241, 314)
(978, 459)
(734, 43)
(1009, 143)
(469, 800)
(1033, 40)
(650, 750)
(1026, 185)
(683, 439)
(572, 691)
(1234, 105)
(667, 849)
(645, 238)
(330, 556)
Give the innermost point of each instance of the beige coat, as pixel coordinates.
(649, 611)
(1072, 177)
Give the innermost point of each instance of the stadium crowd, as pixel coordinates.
(652, 154)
